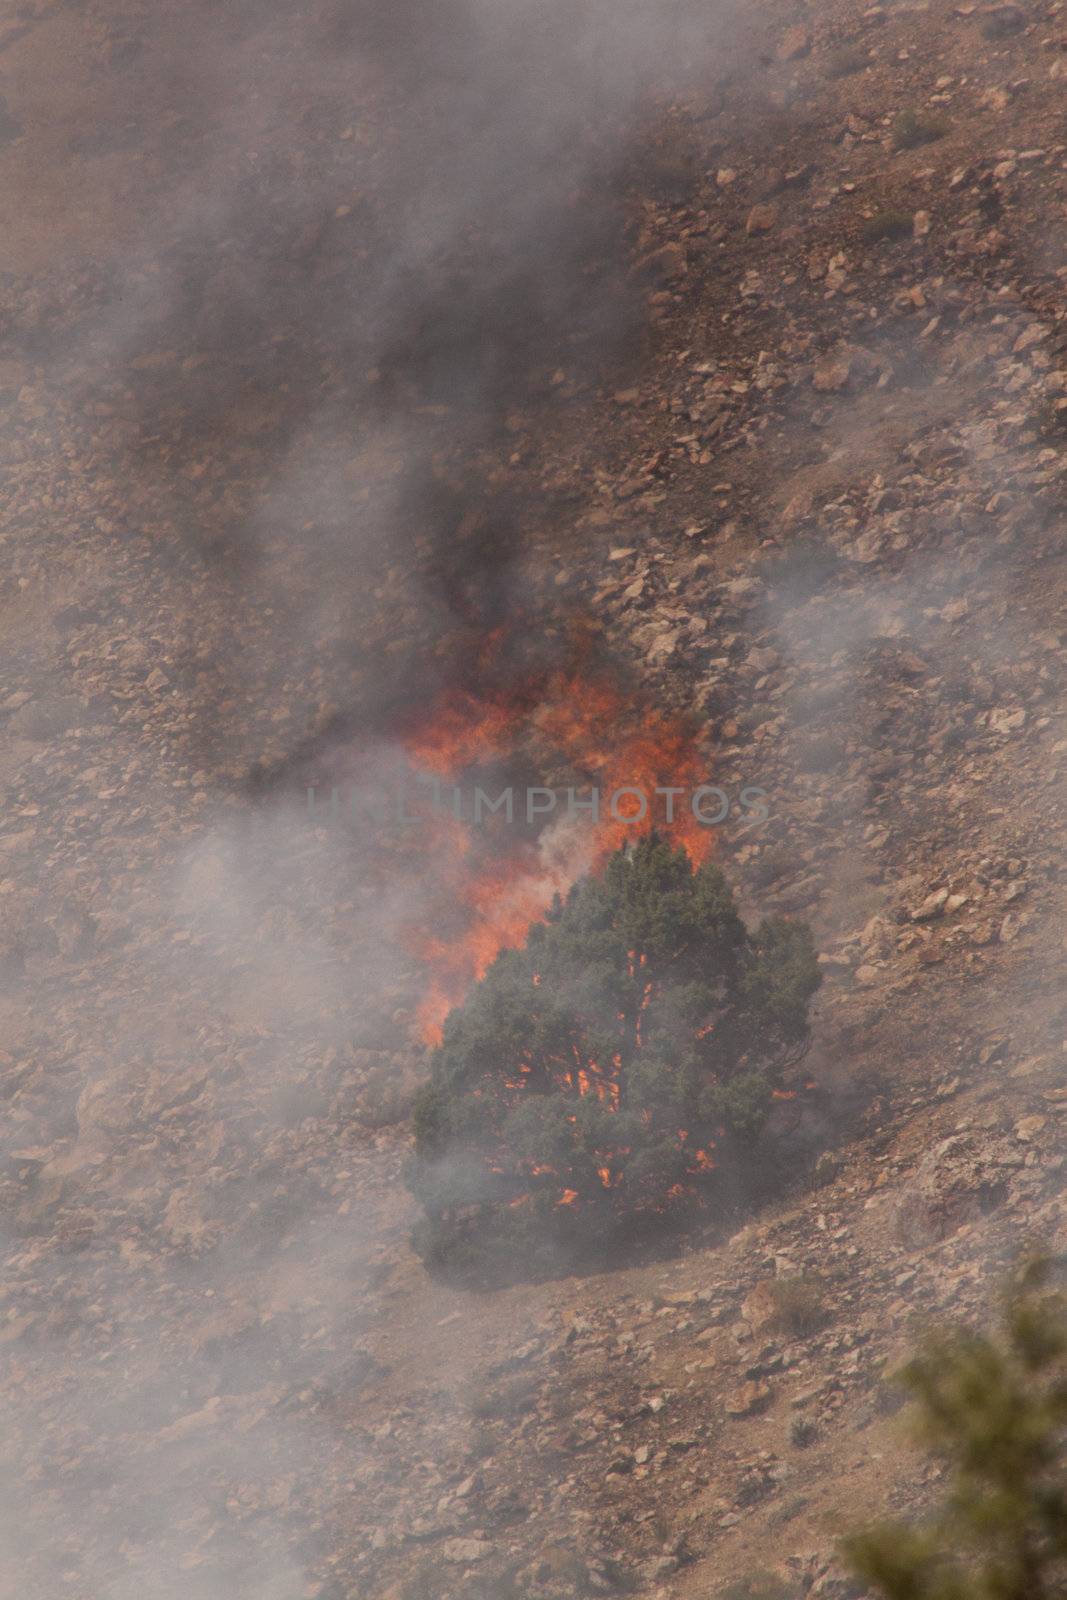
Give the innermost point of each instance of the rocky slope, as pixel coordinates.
(818, 497)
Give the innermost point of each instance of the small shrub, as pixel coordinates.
(913, 128)
(673, 179)
(799, 1306)
(886, 225)
(826, 1168)
(387, 1096)
(847, 61)
(669, 172)
(502, 1400)
(759, 1586)
(1052, 414)
(888, 1399)
(791, 1508)
(481, 1442)
(803, 1432)
(753, 717)
(1002, 21)
(774, 864)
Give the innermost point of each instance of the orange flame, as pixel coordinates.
(591, 728)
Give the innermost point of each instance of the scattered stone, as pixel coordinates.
(932, 906)
(794, 44)
(667, 263)
(832, 372)
(760, 1307)
(466, 1551)
(750, 1400)
(959, 1181)
(762, 218)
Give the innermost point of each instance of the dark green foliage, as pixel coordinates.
(800, 1306)
(605, 1070)
(994, 1410)
(848, 60)
(670, 175)
(886, 225)
(913, 128)
(802, 1432)
(760, 1586)
(1052, 414)
(1001, 21)
(774, 863)
(507, 1399)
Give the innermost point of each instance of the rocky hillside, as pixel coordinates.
(811, 487)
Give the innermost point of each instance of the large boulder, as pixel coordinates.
(960, 1180)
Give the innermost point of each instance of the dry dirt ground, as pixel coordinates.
(818, 498)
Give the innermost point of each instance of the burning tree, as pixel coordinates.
(617, 1063)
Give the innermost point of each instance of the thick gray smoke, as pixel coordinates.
(372, 235)
(343, 245)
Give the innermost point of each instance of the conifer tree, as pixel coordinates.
(613, 1064)
(994, 1410)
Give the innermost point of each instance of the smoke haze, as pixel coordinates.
(300, 307)
(319, 257)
